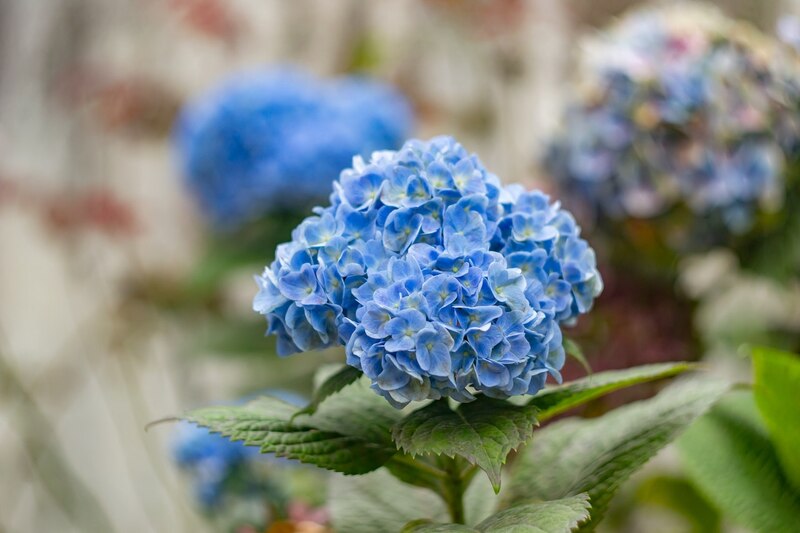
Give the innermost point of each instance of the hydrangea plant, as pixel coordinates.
(275, 139)
(449, 292)
(681, 113)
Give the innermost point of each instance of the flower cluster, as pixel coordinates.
(438, 280)
(679, 106)
(212, 461)
(276, 139)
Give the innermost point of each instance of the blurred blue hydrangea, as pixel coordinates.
(438, 280)
(276, 139)
(211, 460)
(219, 467)
(679, 106)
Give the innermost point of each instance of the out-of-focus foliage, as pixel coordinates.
(777, 394)
(595, 456)
(729, 455)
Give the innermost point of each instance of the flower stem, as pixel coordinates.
(455, 484)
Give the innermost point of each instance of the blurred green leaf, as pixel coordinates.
(728, 454)
(556, 400)
(595, 456)
(366, 55)
(349, 433)
(557, 516)
(679, 496)
(483, 432)
(234, 337)
(574, 350)
(777, 394)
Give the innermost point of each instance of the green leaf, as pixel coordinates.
(379, 502)
(556, 400)
(349, 433)
(728, 454)
(777, 395)
(332, 385)
(595, 456)
(574, 350)
(541, 517)
(483, 432)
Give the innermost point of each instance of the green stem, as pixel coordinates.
(454, 486)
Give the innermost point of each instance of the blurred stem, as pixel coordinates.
(58, 478)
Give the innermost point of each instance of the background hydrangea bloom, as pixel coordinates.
(439, 281)
(219, 467)
(212, 460)
(275, 139)
(680, 106)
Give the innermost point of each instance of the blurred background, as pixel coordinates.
(122, 301)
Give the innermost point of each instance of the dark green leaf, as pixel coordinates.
(332, 385)
(777, 395)
(728, 454)
(556, 400)
(595, 456)
(560, 516)
(483, 432)
(349, 433)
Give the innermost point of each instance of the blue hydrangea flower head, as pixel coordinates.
(275, 139)
(679, 106)
(438, 280)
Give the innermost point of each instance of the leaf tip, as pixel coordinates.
(160, 421)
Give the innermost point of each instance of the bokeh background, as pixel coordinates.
(100, 336)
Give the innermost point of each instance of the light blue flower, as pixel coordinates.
(403, 329)
(302, 287)
(401, 229)
(433, 345)
(443, 283)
